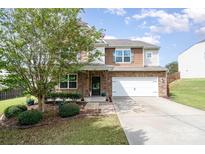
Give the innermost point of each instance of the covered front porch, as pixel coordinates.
(94, 83)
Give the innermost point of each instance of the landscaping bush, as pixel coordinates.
(22, 107)
(62, 95)
(14, 110)
(30, 117)
(74, 96)
(67, 110)
(30, 102)
(51, 95)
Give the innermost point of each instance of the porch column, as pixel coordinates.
(106, 85)
(82, 82)
(88, 83)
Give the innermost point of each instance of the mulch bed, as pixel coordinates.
(50, 117)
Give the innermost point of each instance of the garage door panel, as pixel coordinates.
(135, 86)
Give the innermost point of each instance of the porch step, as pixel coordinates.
(95, 99)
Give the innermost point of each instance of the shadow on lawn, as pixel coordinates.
(97, 130)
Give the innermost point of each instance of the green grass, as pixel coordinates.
(89, 130)
(5, 103)
(189, 92)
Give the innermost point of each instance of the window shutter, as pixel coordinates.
(132, 56)
(113, 56)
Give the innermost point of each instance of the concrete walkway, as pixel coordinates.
(104, 108)
(152, 120)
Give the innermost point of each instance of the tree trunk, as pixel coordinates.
(41, 103)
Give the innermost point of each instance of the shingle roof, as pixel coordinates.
(100, 67)
(96, 67)
(129, 43)
(139, 69)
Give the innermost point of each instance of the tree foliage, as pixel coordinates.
(40, 45)
(172, 67)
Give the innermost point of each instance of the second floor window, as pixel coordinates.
(148, 55)
(122, 56)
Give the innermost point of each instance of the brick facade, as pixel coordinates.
(85, 81)
(84, 85)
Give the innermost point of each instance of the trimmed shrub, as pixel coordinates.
(63, 95)
(74, 96)
(22, 107)
(14, 110)
(67, 110)
(51, 95)
(30, 117)
(30, 102)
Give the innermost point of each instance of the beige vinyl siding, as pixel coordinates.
(154, 60)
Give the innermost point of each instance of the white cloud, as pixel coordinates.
(197, 15)
(201, 32)
(166, 22)
(110, 37)
(117, 11)
(153, 39)
(143, 25)
(127, 20)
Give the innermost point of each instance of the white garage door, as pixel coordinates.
(134, 86)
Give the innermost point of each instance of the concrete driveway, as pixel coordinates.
(152, 120)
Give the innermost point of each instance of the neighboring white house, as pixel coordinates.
(192, 61)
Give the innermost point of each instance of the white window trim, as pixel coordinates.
(123, 49)
(148, 52)
(71, 81)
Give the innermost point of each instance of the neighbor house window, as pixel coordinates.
(69, 82)
(122, 55)
(148, 55)
(204, 55)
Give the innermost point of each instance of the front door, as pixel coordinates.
(95, 86)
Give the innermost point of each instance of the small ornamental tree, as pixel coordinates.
(172, 67)
(38, 46)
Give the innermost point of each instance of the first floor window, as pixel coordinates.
(72, 83)
(69, 81)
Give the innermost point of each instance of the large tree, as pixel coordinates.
(172, 67)
(38, 46)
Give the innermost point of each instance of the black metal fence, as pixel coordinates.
(11, 94)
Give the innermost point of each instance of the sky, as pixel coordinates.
(174, 30)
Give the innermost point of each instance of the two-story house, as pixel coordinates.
(127, 68)
(191, 62)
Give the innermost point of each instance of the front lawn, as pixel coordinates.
(88, 130)
(189, 92)
(5, 103)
